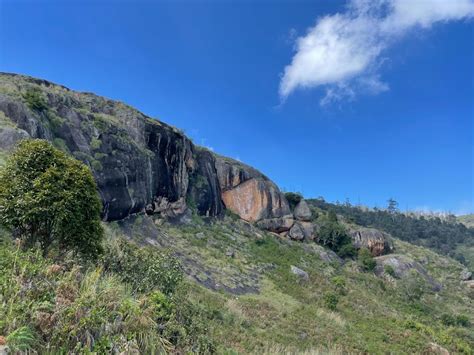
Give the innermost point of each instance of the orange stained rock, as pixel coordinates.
(249, 200)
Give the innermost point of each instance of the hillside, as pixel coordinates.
(467, 220)
(447, 236)
(266, 272)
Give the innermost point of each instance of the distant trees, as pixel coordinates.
(443, 235)
(46, 197)
(392, 206)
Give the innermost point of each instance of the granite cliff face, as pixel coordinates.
(249, 193)
(140, 164)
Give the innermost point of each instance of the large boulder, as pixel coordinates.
(402, 266)
(465, 275)
(308, 230)
(302, 211)
(249, 193)
(296, 232)
(373, 239)
(277, 225)
(303, 275)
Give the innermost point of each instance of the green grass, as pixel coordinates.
(371, 314)
(249, 303)
(50, 305)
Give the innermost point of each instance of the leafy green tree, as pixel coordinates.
(49, 198)
(334, 236)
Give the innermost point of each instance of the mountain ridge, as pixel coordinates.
(140, 163)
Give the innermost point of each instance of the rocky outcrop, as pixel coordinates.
(465, 275)
(139, 163)
(205, 190)
(402, 266)
(277, 225)
(249, 193)
(308, 230)
(296, 232)
(303, 275)
(375, 240)
(302, 211)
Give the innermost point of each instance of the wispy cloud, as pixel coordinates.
(343, 52)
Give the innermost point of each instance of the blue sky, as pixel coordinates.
(330, 98)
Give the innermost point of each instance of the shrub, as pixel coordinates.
(331, 300)
(389, 270)
(413, 286)
(49, 198)
(366, 260)
(293, 198)
(144, 268)
(455, 320)
(96, 143)
(162, 305)
(347, 250)
(339, 284)
(21, 339)
(334, 236)
(35, 100)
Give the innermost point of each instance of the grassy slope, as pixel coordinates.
(280, 312)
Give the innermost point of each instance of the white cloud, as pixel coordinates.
(342, 52)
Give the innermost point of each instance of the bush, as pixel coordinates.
(347, 250)
(49, 198)
(455, 320)
(51, 308)
(413, 286)
(366, 260)
(293, 198)
(145, 268)
(35, 100)
(339, 284)
(334, 236)
(331, 300)
(389, 270)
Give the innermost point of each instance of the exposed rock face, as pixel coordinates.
(140, 164)
(300, 273)
(302, 211)
(435, 349)
(402, 265)
(277, 225)
(308, 230)
(296, 232)
(232, 173)
(373, 239)
(248, 193)
(465, 275)
(205, 190)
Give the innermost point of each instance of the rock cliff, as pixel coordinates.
(139, 163)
